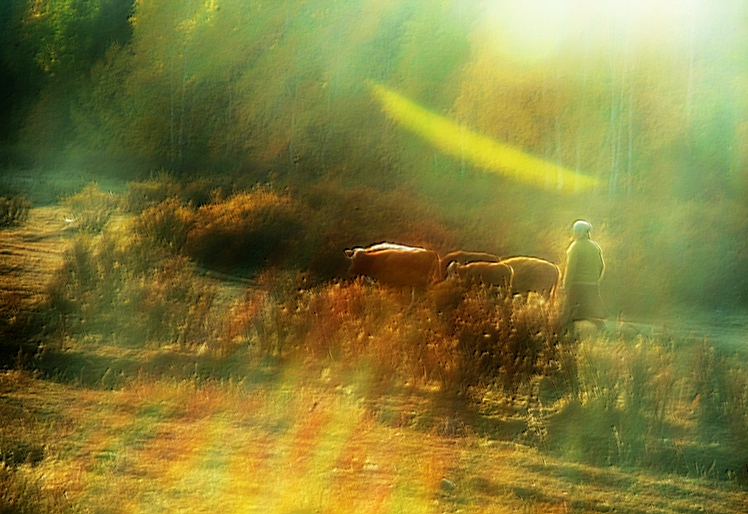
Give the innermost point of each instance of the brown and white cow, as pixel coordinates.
(395, 264)
(487, 273)
(532, 274)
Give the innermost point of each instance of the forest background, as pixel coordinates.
(649, 99)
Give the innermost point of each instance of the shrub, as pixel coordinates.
(14, 210)
(91, 208)
(245, 231)
(132, 290)
(363, 216)
(146, 193)
(278, 314)
(720, 392)
(348, 323)
(169, 304)
(71, 288)
(352, 322)
(167, 223)
(623, 394)
(163, 186)
(481, 338)
(501, 338)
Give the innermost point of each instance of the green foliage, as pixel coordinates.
(22, 80)
(62, 31)
(46, 51)
(164, 89)
(13, 210)
(67, 37)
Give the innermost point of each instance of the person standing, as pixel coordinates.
(584, 270)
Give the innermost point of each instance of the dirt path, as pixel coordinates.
(727, 331)
(29, 255)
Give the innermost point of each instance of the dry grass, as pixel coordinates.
(241, 232)
(478, 338)
(31, 252)
(126, 289)
(167, 223)
(29, 255)
(90, 209)
(301, 442)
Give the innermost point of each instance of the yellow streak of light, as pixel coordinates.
(484, 152)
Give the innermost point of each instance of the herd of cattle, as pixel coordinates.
(401, 265)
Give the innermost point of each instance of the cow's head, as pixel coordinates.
(453, 270)
(350, 252)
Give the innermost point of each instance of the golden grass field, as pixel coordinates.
(123, 429)
(302, 444)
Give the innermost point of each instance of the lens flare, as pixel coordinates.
(458, 141)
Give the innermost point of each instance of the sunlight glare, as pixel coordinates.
(530, 32)
(482, 151)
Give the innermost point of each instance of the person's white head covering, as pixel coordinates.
(581, 228)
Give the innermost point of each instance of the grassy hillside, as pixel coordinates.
(138, 379)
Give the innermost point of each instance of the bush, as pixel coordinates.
(133, 291)
(71, 289)
(143, 194)
(345, 217)
(630, 406)
(14, 210)
(482, 338)
(720, 392)
(167, 223)
(251, 229)
(163, 186)
(91, 208)
(504, 338)
(247, 230)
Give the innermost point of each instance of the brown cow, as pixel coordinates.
(395, 264)
(532, 274)
(489, 273)
(463, 257)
